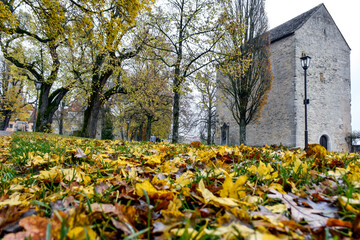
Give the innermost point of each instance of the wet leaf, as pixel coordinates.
(312, 216)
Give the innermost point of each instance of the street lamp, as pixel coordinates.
(305, 63)
(38, 87)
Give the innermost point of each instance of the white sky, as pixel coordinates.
(346, 14)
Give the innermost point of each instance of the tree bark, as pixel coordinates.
(148, 128)
(140, 135)
(209, 120)
(242, 132)
(91, 115)
(61, 121)
(48, 104)
(96, 100)
(5, 122)
(176, 105)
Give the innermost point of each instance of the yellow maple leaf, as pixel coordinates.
(231, 231)
(82, 233)
(191, 233)
(12, 201)
(277, 187)
(149, 188)
(300, 167)
(263, 171)
(209, 196)
(185, 178)
(233, 190)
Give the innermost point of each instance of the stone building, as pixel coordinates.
(328, 83)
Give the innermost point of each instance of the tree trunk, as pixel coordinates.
(61, 121)
(136, 133)
(209, 126)
(5, 122)
(97, 99)
(127, 130)
(91, 115)
(242, 128)
(148, 128)
(122, 133)
(48, 104)
(139, 138)
(176, 106)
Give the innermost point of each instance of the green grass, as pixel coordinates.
(102, 177)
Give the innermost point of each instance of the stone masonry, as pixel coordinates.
(328, 83)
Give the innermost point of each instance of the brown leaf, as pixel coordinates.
(56, 222)
(333, 222)
(356, 227)
(70, 202)
(312, 216)
(101, 187)
(318, 197)
(293, 225)
(105, 208)
(127, 215)
(126, 228)
(10, 214)
(34, 226)
(206, 212)
(16, 236)
(80, 153)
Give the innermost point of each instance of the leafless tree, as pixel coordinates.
(245, 63)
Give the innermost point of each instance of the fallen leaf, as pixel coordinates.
(81, 233)
(80, 153)
(333, 222)
(35, 228)
(311, 216)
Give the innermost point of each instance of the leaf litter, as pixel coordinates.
(55, 187)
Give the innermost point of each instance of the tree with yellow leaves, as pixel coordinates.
(32, 33)
(150, 94)
(12, 101)
(101, 42)
(66, 40)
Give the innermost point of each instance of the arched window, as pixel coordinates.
(324, 142)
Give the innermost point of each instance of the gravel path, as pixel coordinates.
(5, 133)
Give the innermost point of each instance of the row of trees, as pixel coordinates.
(140, 61)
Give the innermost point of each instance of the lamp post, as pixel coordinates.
(38, 87)
(305, 63)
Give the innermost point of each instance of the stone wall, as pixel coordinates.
(329, 111)
(282, 118)
(277, 122)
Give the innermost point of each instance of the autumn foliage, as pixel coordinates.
(56, 187)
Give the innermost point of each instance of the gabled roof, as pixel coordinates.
(288, 28)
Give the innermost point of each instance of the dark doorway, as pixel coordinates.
(224, 134)
(324, 142)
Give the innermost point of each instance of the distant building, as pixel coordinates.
(282, 118)
(20, 125)
(23, 126)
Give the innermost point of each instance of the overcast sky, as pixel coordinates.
(346, 14)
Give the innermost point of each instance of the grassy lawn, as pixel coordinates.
(55, 187)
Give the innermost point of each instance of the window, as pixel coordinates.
(324, 141)
(11, 125)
